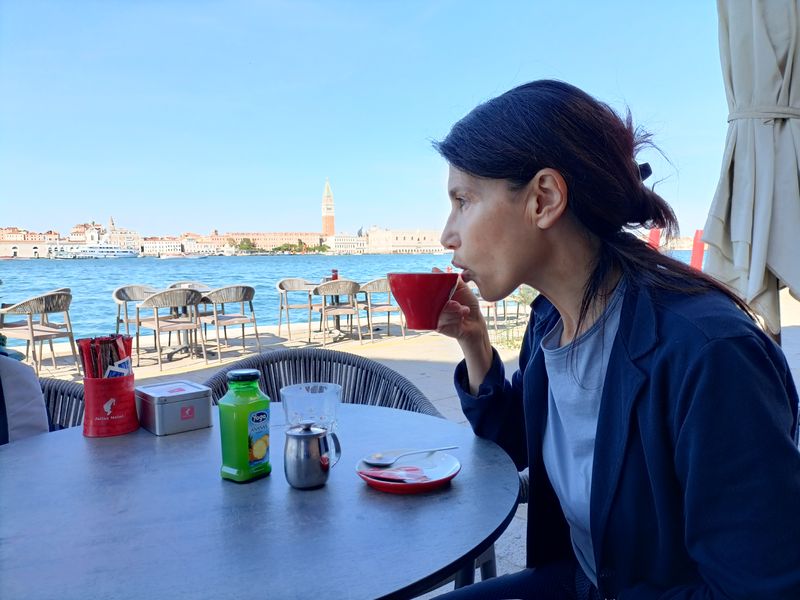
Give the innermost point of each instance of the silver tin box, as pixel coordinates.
(173, 406)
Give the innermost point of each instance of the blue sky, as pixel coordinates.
(189, 115)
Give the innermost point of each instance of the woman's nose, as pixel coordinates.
(449, 237)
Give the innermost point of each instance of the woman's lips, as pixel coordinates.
(465, 274)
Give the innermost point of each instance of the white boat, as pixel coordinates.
(182, 255)
(100, 250)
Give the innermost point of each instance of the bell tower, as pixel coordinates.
(328, 228)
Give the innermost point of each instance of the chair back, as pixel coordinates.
(379, 286)
(64, 402)
(363, 380)
(231, 293)
(376, 286)
(51, 302)
(292, 284)
(56, 302)
(173, 298)
(337, 287)
(132, 293)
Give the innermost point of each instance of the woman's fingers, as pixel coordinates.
(451, 317)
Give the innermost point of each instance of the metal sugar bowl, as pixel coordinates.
(307, 456)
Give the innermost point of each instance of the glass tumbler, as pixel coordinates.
(315, 401)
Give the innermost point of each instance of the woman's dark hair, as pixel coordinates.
(553, 124)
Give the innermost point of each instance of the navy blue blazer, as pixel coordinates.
(696, 477)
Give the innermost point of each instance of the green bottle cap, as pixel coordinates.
(244, 375)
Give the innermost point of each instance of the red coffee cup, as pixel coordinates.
(422, 296)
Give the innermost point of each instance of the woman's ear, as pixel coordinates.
(546, 198)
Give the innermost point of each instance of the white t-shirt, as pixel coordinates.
(25, 410)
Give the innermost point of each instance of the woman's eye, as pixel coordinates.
(461, 202)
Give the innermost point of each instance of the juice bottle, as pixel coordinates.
(244, 427)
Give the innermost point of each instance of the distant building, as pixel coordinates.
(403, 241)
(124, 238)
(16, 242)
(345, 243)
(328, 225)
(12, 234)
(15, 234)
(156, 246)
(85, 233)
(23, 249)
(194, 243)
(271, 240)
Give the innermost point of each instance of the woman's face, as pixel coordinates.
(489, 233)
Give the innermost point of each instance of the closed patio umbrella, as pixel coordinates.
(753, 226)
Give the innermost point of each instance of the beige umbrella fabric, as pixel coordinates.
(753, 226)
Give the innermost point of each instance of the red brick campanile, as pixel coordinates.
(328, 228)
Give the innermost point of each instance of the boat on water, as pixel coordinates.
(182, 255)
(100, 250)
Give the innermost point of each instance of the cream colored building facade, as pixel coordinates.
(403, 241)
(157, 246)
(346, 243)
(21, 243)
(270, 240)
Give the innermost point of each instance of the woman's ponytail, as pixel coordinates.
(649, 210)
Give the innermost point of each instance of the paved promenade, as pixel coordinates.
(427, 359)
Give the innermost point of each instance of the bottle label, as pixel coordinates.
(258, 437)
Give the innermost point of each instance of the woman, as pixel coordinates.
(658, 421)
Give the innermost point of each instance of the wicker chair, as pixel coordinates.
(182, 304)
(338, 298)
(232, 294)
(380, 286)
(363, 381)
(37, 326)
(129, 293)
(294, 286)
(64, 402)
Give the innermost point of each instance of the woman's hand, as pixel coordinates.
(461, 319)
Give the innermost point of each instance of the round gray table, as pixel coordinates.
(141, 516)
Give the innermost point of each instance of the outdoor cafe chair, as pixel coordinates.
(64, 402)
(372, 306)
(363, 381)
(192, 285)
(338, 299)
(294, 286)
(45, 321)
(232, 294)
(37, 325)
(132, 293)
(182, 306)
